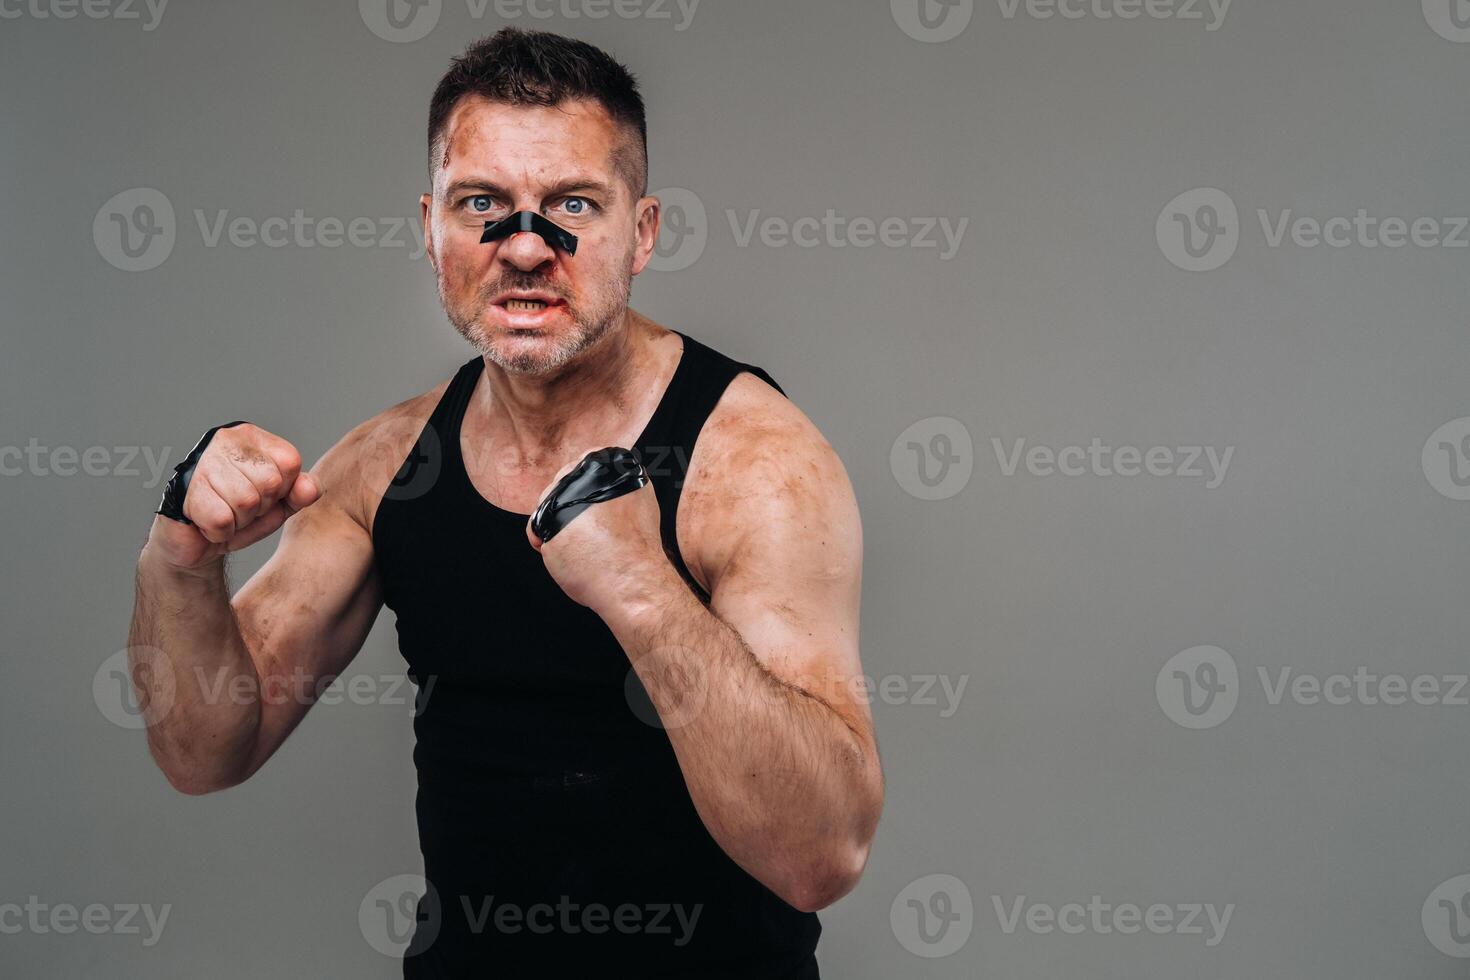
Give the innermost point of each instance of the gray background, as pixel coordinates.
(1061, 318)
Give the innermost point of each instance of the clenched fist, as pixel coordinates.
(245, 486)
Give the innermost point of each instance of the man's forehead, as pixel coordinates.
(483, 134)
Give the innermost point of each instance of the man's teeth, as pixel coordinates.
(524, 305)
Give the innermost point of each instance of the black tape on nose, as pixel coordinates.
(550, 232)
(601, 475)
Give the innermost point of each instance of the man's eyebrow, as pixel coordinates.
(575, 183)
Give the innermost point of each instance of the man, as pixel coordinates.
(643, 746)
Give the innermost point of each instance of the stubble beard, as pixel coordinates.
(502, 347)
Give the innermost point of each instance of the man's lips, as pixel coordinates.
(530, 312)
(517, 305)
(526, 299)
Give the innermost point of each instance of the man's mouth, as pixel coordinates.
(524, 305)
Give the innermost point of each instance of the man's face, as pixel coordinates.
(498, 159)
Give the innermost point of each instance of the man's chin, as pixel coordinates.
(526, 350)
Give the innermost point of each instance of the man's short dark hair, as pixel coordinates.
(538, 68)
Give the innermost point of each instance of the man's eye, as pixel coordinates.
(481, 202)
(577, 205)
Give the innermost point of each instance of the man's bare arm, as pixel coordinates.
(762, 691)
(228, 680)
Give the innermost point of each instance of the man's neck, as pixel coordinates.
(541, 415)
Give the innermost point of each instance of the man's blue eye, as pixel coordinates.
(577, 205)
(480, 202)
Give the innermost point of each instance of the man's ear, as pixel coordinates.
(649, 216)
(426, 207)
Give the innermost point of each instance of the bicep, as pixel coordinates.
(790, 582)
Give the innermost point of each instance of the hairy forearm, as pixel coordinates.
(198, 686)
(783, 783)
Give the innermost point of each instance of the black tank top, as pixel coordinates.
(557, 832)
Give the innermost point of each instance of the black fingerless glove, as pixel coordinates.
(177, 487)
(602, 475)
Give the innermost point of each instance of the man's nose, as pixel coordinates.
(526, 250)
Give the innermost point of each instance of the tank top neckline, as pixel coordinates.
(476, 366)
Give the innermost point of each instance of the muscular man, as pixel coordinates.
(643, 745)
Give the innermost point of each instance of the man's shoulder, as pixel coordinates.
(357, 470)
(760, 462)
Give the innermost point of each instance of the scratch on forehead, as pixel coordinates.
(462, 127)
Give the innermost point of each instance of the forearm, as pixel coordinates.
(782, 781)
(198, 686)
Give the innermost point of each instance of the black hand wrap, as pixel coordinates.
(177, 487)
(602, 475)
(551, 233)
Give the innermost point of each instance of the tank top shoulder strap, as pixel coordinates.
(667, 443)
(448, 415)
(700, 380)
